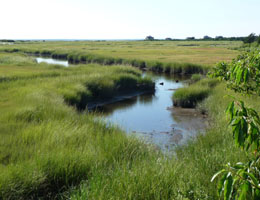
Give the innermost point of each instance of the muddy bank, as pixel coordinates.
(189, 118)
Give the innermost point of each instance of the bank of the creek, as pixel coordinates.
(151, 116)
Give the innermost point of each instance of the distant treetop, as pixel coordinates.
(149, 38)
(219, 37)
(250, 39)
(207, 37)
(190, 38)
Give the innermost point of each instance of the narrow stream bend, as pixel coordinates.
(152, 116)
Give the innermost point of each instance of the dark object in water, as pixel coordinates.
(161, 83)
(177, 81)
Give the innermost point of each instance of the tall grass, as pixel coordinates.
(50, 150)
(168, 56)
(205, 53)
(154, 66)
(195, 77)
(184, 176)
(190, 96)
(47, 146)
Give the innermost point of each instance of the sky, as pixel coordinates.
(127, 19)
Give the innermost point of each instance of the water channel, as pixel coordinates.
(152, 116)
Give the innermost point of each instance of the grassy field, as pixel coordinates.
(48, 149)
(47, 145)
(158, 56)
(197, 52)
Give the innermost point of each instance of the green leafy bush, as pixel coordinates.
(242, 180)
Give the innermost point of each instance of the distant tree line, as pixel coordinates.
(7, 41)
(217, 38)
(247, 40)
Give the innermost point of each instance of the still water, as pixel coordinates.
(52, 61)
(152, 116)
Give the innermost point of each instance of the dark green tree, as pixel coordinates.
(150, 38)
(206, 37)
(251, 38)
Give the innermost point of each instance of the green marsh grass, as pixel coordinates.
(195, 77)
(186, 175)
(191, 95)
(46, 145)
(50, 150)
(173, 57)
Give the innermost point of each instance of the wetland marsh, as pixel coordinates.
(52, 147)
(151, 115)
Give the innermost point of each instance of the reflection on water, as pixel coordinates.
(149, 115)
(52, 61)
(126, 104)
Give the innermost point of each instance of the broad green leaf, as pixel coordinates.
(242, 104)
(242, 133)
(221, 183)
(239, 76)
(228, 186)
(245, 191)
(230, 110)
(253, 178)
(218, 173)
(246, 75)
(236, 133)
(239, 165)
(235, 122)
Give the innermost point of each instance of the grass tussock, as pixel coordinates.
(190, 96)
(195, 78)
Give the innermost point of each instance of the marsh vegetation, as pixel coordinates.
(51, 147)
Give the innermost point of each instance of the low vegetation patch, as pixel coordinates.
(195, 77)
(189, 96)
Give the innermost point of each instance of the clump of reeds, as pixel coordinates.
(195, 78)
(189, 96)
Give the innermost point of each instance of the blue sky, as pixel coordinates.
(127, 19)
